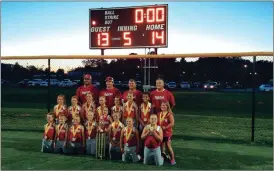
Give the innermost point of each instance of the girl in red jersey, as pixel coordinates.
(76, 137)
(117, 106)
(74, 109)
(60, 107)
(166, 120)
(130, 109)
(101, 107)
(153, 136)
(145, 111)
(60, 141)
(88, 106)
(129, 142)
(49, 133)
(114, 134)
(90, 133)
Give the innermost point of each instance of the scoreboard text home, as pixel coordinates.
(128, 27)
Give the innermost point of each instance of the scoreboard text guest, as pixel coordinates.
(131, 27)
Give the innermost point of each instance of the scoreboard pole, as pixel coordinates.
(102, 52)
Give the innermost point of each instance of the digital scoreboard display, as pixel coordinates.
(128, 27)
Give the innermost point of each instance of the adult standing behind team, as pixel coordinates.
(137, 94)
(110, 92)
(159, 95)
(87, 88)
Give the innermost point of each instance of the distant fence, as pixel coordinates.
(202, 72)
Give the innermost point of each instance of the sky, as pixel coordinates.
(61, 28)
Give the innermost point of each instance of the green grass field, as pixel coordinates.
(212, 131)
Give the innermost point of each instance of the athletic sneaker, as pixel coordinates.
(172, 162)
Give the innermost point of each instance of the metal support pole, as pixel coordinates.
(253, 99)
(49, 85)
(102, 52)
(149, 71)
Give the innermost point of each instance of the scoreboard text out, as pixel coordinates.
(132, 27)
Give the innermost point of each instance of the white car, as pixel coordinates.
(53, 82)
(35, 82)
(66, 84)
(184, 85)
(266, 87)
(171, 85)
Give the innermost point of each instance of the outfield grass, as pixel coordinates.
(212, 131)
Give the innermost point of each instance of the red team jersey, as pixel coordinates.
(132, 141)
(143, 108)
(137, 97)
(85, 108)
(110, 94)
(60, 109)
(157, 97)
(61, 132)
(83, 90)
(49, 131)
(164, 122)
(91, 129)
(106, 120)
(75, 133)
(72, 111)
(151, 142)
(130, 110)
(115, 132)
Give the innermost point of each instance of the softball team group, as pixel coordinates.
(131, 127)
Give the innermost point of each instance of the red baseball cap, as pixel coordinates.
(88, 76)
(109, 79)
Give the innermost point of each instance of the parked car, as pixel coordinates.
(4, 82)
(117, 83)
(44, 83)
(211, 85)
(138, 83)
(184, 85)
(53, 82)
(96, 83)
(266, 87)
(35, 82)
(23, 83)
(66, 84)
(197, 84)
(171, 85)
(124, 84)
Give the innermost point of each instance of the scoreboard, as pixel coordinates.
(128, 27)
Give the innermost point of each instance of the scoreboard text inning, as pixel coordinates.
(130, 27)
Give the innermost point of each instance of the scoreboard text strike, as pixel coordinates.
(132, 27)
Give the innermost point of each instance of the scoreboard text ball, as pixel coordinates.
(130, 27)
